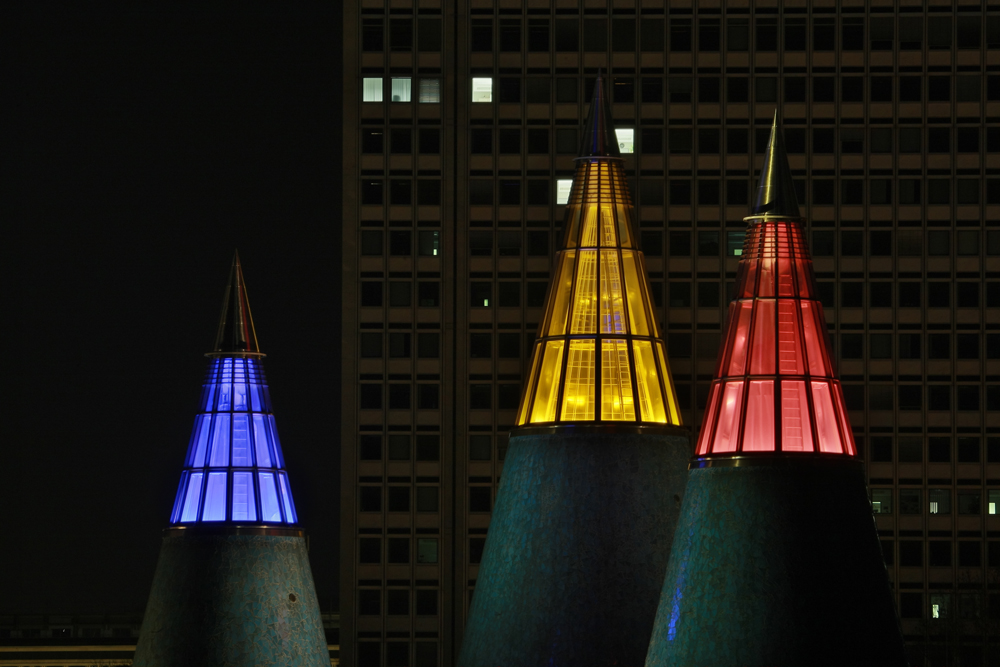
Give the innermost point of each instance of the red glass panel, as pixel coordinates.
(804, 279)
(708, 422)
(785, 286)
(815, 344)
(730, 413)
(763, 343)
(765, 286)
(790, 360)
(796, 428)
(738, 344)
(826, 418)
(845, 425)
(748, 284)
(758, 433)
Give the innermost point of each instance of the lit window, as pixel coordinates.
(401, 89)
(563, 186)
(482, 89)
(626, 139)
(734, 243)
(372, 90)
(994, 501)
(882, 501)
(430, 91)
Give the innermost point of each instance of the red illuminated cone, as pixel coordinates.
(776, 560)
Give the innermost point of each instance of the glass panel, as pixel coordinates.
(240, 390)
(612, 302)
(270, 512)
(826, 419)
(588, 239)
(814, 335)
(635, 288)
(543, 409)
(650, 399)
(805, 283)
(192, 497)
(244, 507)
(400, 89)
(427, 550)
(215, 498)
(626, 139)
(578, 394)
(199, 441)
(617, 402)
(371, 90)
(225, 385)
(257, 397)
(709, 421)
(260, 442)
(730, 411)
(607, 227)
(796, 431)
(286, 499)
(275, 443)
(845, 425)
(482, 89)
(430, 91)
(758, 434)
(208, 390)
(220, 441)
(762, 354)
(179, 500)
(624, 236)
(563, 186)
(536, 360)
(765, 284)
(789, 348)
(561, 293)
(738, 356)
(584, 318)
(668, 385)
(241, 441)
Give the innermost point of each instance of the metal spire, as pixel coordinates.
(236, 333)
(776, 193)
(599, 138)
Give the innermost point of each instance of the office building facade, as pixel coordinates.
(461, 122)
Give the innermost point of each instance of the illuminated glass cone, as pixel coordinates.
(233, 584)
(580, 535)
(776, 561)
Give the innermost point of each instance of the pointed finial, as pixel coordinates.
(599, 138)
(776, 193)
(236, 333)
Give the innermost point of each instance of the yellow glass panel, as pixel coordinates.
(617, 402)
(543, 409)
(584, 318)
(624, 236)
(612, 297)
(634, 289)
(559, 294)
(647, 377)
(578, 394)
(536, 360)
(588, 238)
(607, 227)
(668, 383)
(574, 213)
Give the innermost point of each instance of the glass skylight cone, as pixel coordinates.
(775, 389)
(234, 470)
(599, 356)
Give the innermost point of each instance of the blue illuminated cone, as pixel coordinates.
(593, 477)
(233, 584)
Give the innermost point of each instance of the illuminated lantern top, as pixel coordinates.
(599, 306)
(234, 470)
(775, 389)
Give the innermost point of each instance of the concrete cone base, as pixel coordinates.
(576, 550)
(777, 565)
(233, 600)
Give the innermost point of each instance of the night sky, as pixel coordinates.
(147, 142)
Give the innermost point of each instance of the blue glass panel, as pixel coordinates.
(191, 498)
(256, 397)
(239, 385)
(241, 440)
(199, 441)
(179, 500)
(277, 443)
(260, 442)
(208, 394)
(268, 498)
(244, 507)
(286, 499)
(215, 498)
(220, 441)
(225, 385)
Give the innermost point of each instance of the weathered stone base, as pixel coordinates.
(576, 550)
(777, 565)
(233, 601)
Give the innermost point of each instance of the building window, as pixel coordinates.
(427, 550)
(882, 501)
(401, 89)
(563, 187)
(482, 89)
(430, 91)
(371, 89)
(625, 138)
(480, 499)
(939, 501)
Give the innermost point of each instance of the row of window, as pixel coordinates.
(684, 35)
(971, 606)
(939, 553)
(938, 502)
(880, 346)
(938, 449)
(703, 89)
(481, 294)
(399, 396)
(397, 602)
(911, 397)
(397, 499)
(400, 447)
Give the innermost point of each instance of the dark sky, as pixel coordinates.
(147, 141)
